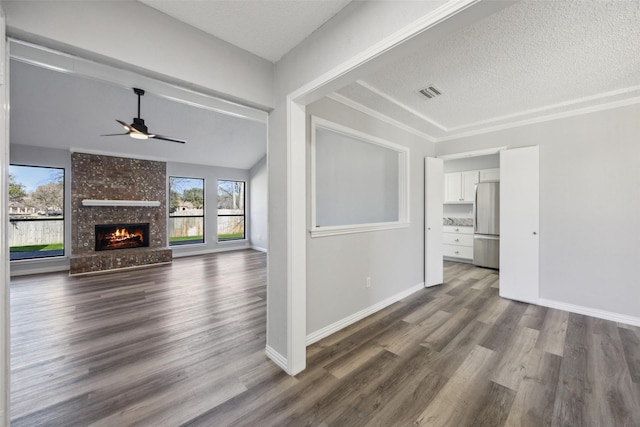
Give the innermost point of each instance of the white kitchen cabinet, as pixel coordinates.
(459, 187)
(490, 174)
(457, 242)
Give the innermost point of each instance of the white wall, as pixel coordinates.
(394, 259)
(39, 156)
(589, 205)
(211, 175)
(258, 180)
(134, 36)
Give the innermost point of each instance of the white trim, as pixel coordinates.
(146, 203)
(62, 62)
(5, 317)
(442, 13)
(177, 253)
(296, 237)
(403, 181)
(349, 320)
(41, 270)
(357, 228)
(394, 101)
(277, 358)
(592, 312)
(258, 248)
(542, 119)
(377, 115)
(546, 108)
(475, 153)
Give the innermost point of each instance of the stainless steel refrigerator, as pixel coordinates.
(486, 225)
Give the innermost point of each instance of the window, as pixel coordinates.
(360, 183)
(36, 212)
(186, 211)
(230, 210)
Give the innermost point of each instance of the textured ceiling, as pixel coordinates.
(59, 110)
(267, 28)
(531, 59)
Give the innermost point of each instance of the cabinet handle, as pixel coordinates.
(457, 240)
(456, 252)
(457, 229)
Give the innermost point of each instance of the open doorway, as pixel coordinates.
(471, 210)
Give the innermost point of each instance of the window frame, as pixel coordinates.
(63, 219)
(203, 216)
(244, 212)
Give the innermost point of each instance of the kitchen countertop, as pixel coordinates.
(460, 222)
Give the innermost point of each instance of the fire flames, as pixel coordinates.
(122, 234)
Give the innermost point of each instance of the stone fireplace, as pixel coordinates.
(118, 213)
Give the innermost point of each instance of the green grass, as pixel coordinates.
(185, 238)
(36, 248)
(231, 236)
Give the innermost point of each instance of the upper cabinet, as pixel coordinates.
(459, 187)
(490, 174)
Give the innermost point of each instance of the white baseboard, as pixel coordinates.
(277, 358)
(258, 248)
(593, 312)
(180, 254)
(25, 267)
(343, 323)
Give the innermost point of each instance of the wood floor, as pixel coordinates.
(184, 345)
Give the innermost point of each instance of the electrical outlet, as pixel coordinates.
(368, 282)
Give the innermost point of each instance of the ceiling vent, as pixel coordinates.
(431, 91)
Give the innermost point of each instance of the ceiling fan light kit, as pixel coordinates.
(138, 129)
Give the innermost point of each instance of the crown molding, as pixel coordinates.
(377, 115)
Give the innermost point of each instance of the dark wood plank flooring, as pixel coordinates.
(184, 345)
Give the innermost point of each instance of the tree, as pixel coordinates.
(16, 190)
(174, 201)
(195, 196)
(48, 196)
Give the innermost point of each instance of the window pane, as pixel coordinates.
(36, 212)
(186, 210)
(230, 210)
(186, 196)
(186, 230)
(230, 227)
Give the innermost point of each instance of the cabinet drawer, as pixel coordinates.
(457, 229)
(457, 239)
(456, 251)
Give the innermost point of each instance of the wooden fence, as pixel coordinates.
(36, 232)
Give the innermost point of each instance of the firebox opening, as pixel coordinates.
(121, 236)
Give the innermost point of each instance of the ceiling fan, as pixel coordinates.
(138, 129)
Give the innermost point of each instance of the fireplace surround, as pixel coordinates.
(117, 192)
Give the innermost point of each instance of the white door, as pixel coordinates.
(519, 221)
(4, 225)
(433, 200)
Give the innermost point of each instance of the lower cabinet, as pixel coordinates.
(457, 242)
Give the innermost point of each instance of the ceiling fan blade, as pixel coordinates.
(166, 138)
(116, 134)
(124, 125)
